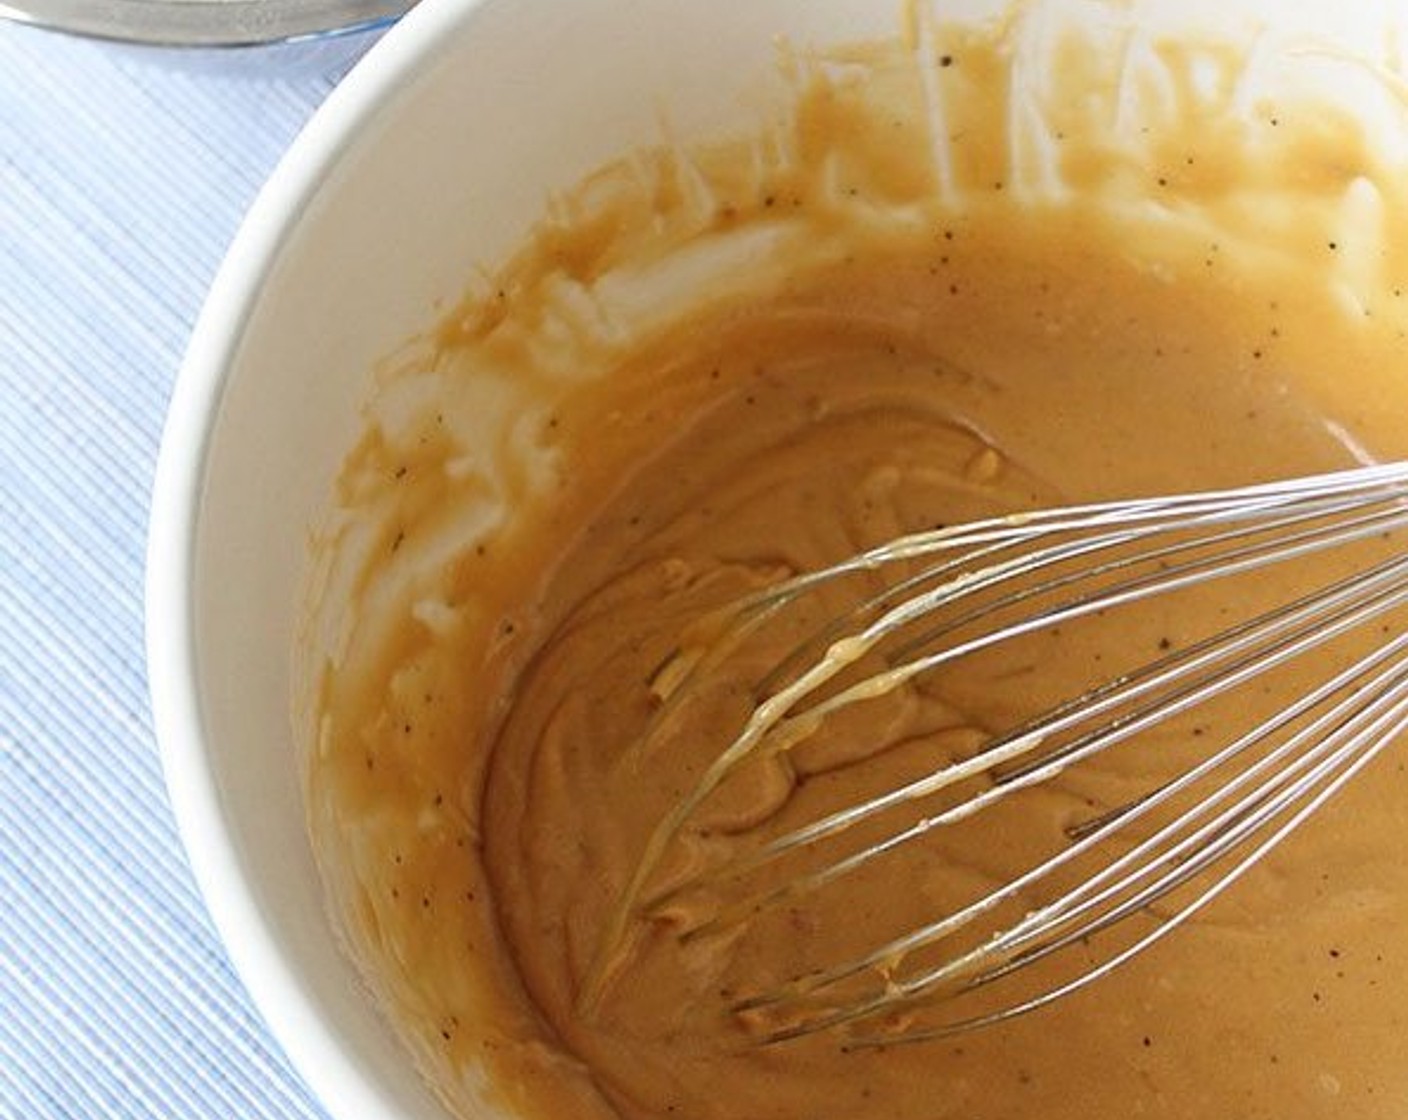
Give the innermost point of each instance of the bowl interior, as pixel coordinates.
(434, 157)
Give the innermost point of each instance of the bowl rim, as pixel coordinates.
(284, 1000)
(206, 23)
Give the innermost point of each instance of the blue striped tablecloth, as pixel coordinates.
(123, 175)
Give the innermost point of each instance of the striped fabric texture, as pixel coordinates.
(123, 175)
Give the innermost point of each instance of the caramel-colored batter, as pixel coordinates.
(834, 433)
(917, 358)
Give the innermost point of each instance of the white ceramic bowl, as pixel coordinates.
(435, 155)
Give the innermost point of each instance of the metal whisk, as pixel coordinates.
(935, 600)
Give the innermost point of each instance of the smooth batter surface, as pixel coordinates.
(966, 361)
(830, 437)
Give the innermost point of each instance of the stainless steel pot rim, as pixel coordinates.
(205, 23)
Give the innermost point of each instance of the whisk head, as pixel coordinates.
(1186, 751)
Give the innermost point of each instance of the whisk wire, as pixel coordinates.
(996, 581)
(1312, 630)
(1365, 747)
(1344, 740)
(1113, 823)
(1293, 628)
